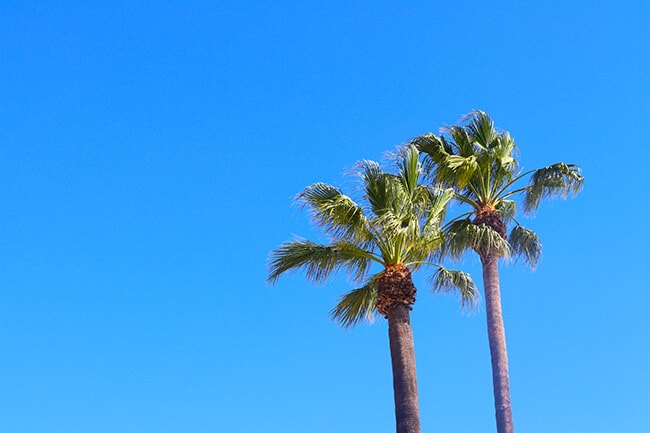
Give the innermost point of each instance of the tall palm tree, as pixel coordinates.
(397, 228)
(478, 162)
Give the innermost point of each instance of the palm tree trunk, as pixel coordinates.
(497, 339)
(402, 353)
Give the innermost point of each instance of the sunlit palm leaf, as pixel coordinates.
(434, 148)
(426, 248)
(442, 165)
(481, 130)
(356, 305)
(463, 235)
(318, 261)
(557, 180)
(437, 201)
(462, 144)
(507, 209)
(525, 244)
(504, 153)
(447, 280)
(335, 212)
(409, 170)
(459, 168)
(377, 185)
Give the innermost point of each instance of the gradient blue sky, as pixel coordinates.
(149, 153)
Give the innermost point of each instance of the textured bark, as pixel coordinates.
(395, 297)
(489, 216)
(395, 286)
(405, 385)
(497, 339)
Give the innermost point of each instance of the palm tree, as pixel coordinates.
(397, 228)
(478, 162)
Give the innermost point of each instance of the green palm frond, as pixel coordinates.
(525, 244)
(454, 171)
(504, 153)
(356, 305)
(424, 201)
(437, 201)
(433, 146)
(396, 224)
(426, 248)
(462, 143)
(378, 186)
(506, 209)
(409, 170)
(335, 212)
(410, 196)
(317, 260)
(463, 235)
(557, 180)
(481, 129)
(416, 239)
(460, 169)
(446, 280)
(441, 165)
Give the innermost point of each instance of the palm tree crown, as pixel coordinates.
(478, 162)
(397, 225)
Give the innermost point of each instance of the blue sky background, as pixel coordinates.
(149, 153)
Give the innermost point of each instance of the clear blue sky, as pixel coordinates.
(149, 153)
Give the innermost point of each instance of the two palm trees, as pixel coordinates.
(399, 228)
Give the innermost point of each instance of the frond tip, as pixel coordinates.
(557, 180)
(462, 235)
(525, 243)
(318, 261)
(356, 305)
(334, 211)
(445, 280)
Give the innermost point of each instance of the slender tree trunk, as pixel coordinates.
(497, 339)
(402, 353)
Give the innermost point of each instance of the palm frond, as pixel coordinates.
(504, 153)
(506, 209)
(432, 145)
(437, 201)
(317, 260)
(481, 129)
(409, 169)
(446, 280)
(460, 169)
(377, 186)
(426, 247)
(425, 251)
(441, 165)
(356, 305)
(335, 212)
(435, 149)
(557, 180)
(463, 235)
(425, 201)
(525, 244)
(394, 223)
(463, 143)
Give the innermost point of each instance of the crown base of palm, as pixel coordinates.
(395, 287)
(489, 216)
